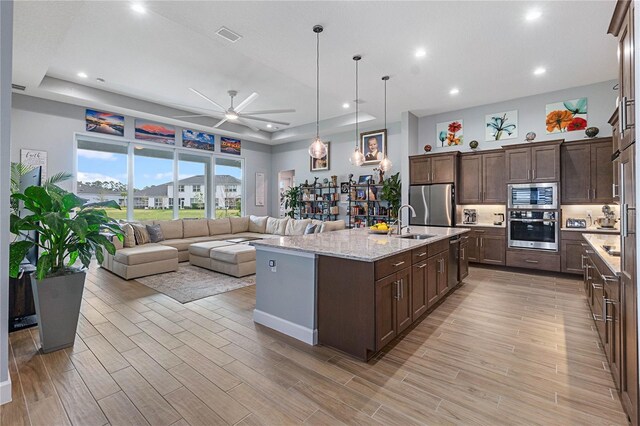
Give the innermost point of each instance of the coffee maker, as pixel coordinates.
(469, 216)
(498, 219)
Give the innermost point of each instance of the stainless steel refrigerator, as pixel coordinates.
(434, 205)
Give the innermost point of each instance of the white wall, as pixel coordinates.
(49, 126)
(295, 156)
(531, 117)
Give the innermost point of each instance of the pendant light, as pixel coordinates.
(318, 149)
(385, 164)
(357, 157)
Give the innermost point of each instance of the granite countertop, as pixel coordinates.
(596, 241)
(593, 230)
(358, 244)
(483, 224)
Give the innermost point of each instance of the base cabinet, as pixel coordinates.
(486, 245)
(463, 262)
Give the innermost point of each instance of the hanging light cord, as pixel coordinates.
(317, 85)
(357, 136)
(385, 104)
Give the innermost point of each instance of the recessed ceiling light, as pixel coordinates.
(345, 105)
(100, 80)
(82, 74)
(533, 14)
(137, 7)
(454, 91)
(539, 71)
(420, 53)
(269, 126)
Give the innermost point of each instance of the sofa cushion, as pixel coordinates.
(129, 236)
(195, 228)
(203, 249)
(182, 244)
(297, 227)
(239, 224)
(237, 253)
(333, 225)
(219, 226)
(147, 253)
(141, 234)
(171, 229)
(276, 226)
(318, 224)
(258, 224)
(155, 233)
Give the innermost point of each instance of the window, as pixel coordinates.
(195, 171)
(228, 181)
(180, 188)
(153, 176)
(196, 188)
(158, 203)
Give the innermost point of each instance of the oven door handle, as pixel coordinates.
(532, 220)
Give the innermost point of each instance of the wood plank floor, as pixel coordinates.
(505, 348)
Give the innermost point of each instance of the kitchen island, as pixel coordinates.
(352, 290)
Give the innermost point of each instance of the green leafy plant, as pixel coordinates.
(392, 193)
(68, 229)
(18, 170)
(292, 200)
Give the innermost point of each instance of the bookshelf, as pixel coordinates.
(365, 206)
(319, 202)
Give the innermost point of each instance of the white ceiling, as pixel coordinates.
(485, 48)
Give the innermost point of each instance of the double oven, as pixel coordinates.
(533, 220)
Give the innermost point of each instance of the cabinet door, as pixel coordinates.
(576, 179)
(473, 248)
(470, 185)
(614, 335)
(419, 300)
(571, 257)
(601, 173)
(432, 280)
(463, 263)
(518, 165)
(492, 249)
(545, 163)
(386, 291)
(494, 188)
(443, 169)
(419, 170)
(443, 274)
(626, 79)
(404, 306)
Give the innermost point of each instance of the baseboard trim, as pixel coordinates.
(5, 391)
(287, 327)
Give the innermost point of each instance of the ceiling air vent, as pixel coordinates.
(229, 35)
(18, 87)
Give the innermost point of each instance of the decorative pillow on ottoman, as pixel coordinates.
(155, 233)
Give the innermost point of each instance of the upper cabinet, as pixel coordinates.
(587, 172)
(482, 179)
(538, 162)
(433, 168)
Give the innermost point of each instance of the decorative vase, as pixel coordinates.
(530, 136)
(473, 144)
(427, 148)
(591, 132)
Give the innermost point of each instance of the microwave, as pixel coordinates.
(533, 196)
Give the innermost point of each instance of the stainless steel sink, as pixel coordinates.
(416, 236)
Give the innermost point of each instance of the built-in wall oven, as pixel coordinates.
(533, 229)
(533, 196)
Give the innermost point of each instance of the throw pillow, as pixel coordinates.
(140, 231)
(276, 226)
(155, 233)
(334, 225)
(296, 227)
(258, 224)
(129, 236)
(310, 229)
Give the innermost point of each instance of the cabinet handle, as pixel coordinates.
(605, 316)
(595, 317)
(402, 288)
(422, 254)
(587, 267)
(594, 194)
(533, 174)
(462, 254)
(481, 242)
(422, 266)
(613, 190)
(582, 260)
(597, 286)
(622, 111)
(395, 265)
(531, 261)
(397, 291)
(609, 278)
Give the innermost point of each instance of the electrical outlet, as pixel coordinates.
(589, 213)
(272, 265)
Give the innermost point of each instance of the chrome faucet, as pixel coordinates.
(413, 214)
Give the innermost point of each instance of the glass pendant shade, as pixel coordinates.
(318, 149)
(385, 164)
(357, 158)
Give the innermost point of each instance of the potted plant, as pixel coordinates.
(392, 193)
(292, 200)
(68, 229)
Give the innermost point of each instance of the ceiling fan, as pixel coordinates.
(236, 114)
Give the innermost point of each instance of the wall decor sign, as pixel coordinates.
(198, 140)
(230, 146)
(450, 133)
(365, 179)
(320, 164)
(260, 189)
(104, 122)
(501, 125)
(151, 131)
(32, 158)
(344, 187)
(567, 116)
(374, 146)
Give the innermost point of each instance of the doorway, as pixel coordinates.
(286, 179)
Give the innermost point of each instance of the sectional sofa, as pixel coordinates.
(138, 260)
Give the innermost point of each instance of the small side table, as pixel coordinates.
(22, 309)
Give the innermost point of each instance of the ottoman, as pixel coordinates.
(237, 260)
(199, 252)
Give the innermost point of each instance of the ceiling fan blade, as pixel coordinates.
(219, 123)
(250, 117)
(249, 125)
(270, 111)
(223, 109)
(242, 105)
(195, 115)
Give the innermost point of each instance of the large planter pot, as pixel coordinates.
(57, 301)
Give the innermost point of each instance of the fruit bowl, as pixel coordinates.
(378, 231)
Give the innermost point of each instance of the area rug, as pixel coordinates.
(191, 283)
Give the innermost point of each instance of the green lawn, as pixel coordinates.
(143, 214)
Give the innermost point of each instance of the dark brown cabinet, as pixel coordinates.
(442, 273)
(419, 299)
(463, 262)
(571, 252)
(533, 259)
(486, 245)
(393, 306)
(539, 162)
(433, 168)
(587, 172)
(482, 178)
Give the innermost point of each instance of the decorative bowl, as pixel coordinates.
(591, 132)
(473, 144)
(427, 148)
